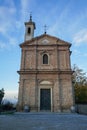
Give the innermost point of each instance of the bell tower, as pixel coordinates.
(29, 29)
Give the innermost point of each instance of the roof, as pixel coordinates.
(45, 39)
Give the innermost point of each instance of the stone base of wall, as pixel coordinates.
(81, 108)
(35, 109)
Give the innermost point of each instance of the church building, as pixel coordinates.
(45, 82)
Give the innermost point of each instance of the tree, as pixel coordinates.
(8, 106)
(79, 76)
(80, 85)
(1, 95)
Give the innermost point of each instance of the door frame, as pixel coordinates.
(44, 87)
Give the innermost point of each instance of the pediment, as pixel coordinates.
(45, 39)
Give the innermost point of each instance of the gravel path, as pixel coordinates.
(43, 121)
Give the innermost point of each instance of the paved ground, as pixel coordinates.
(43, 121)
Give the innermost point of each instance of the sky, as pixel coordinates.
(65, 19)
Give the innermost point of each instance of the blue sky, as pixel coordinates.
(66, 19)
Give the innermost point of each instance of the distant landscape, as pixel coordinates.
(11, 96)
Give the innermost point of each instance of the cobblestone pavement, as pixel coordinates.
(43, 121)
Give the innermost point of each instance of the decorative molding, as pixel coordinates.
(45, 82)
(45, 41)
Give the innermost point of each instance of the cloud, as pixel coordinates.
(2, 45)
(12, 42)
(11, 22)
(85, 54)
(25, 12)
(80, 37)
(9, 25)
(59, 26)
(79, 53)
(6, 18)
(76, 52)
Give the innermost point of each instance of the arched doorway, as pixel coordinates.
(45, 96)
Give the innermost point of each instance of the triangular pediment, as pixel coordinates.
(45, 39)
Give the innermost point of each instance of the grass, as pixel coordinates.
(7, 113)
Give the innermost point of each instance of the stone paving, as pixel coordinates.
(43, 121)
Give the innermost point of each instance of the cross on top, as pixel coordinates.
(45, 28)
(30, 16)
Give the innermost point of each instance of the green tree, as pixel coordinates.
(1, 95)
(80, 85)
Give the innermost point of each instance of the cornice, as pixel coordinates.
(45, 71)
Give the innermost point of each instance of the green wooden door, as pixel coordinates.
(45, 99)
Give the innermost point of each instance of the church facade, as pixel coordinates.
(45, 73)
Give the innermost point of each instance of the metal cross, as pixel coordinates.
(45, 29)
(30, 16)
